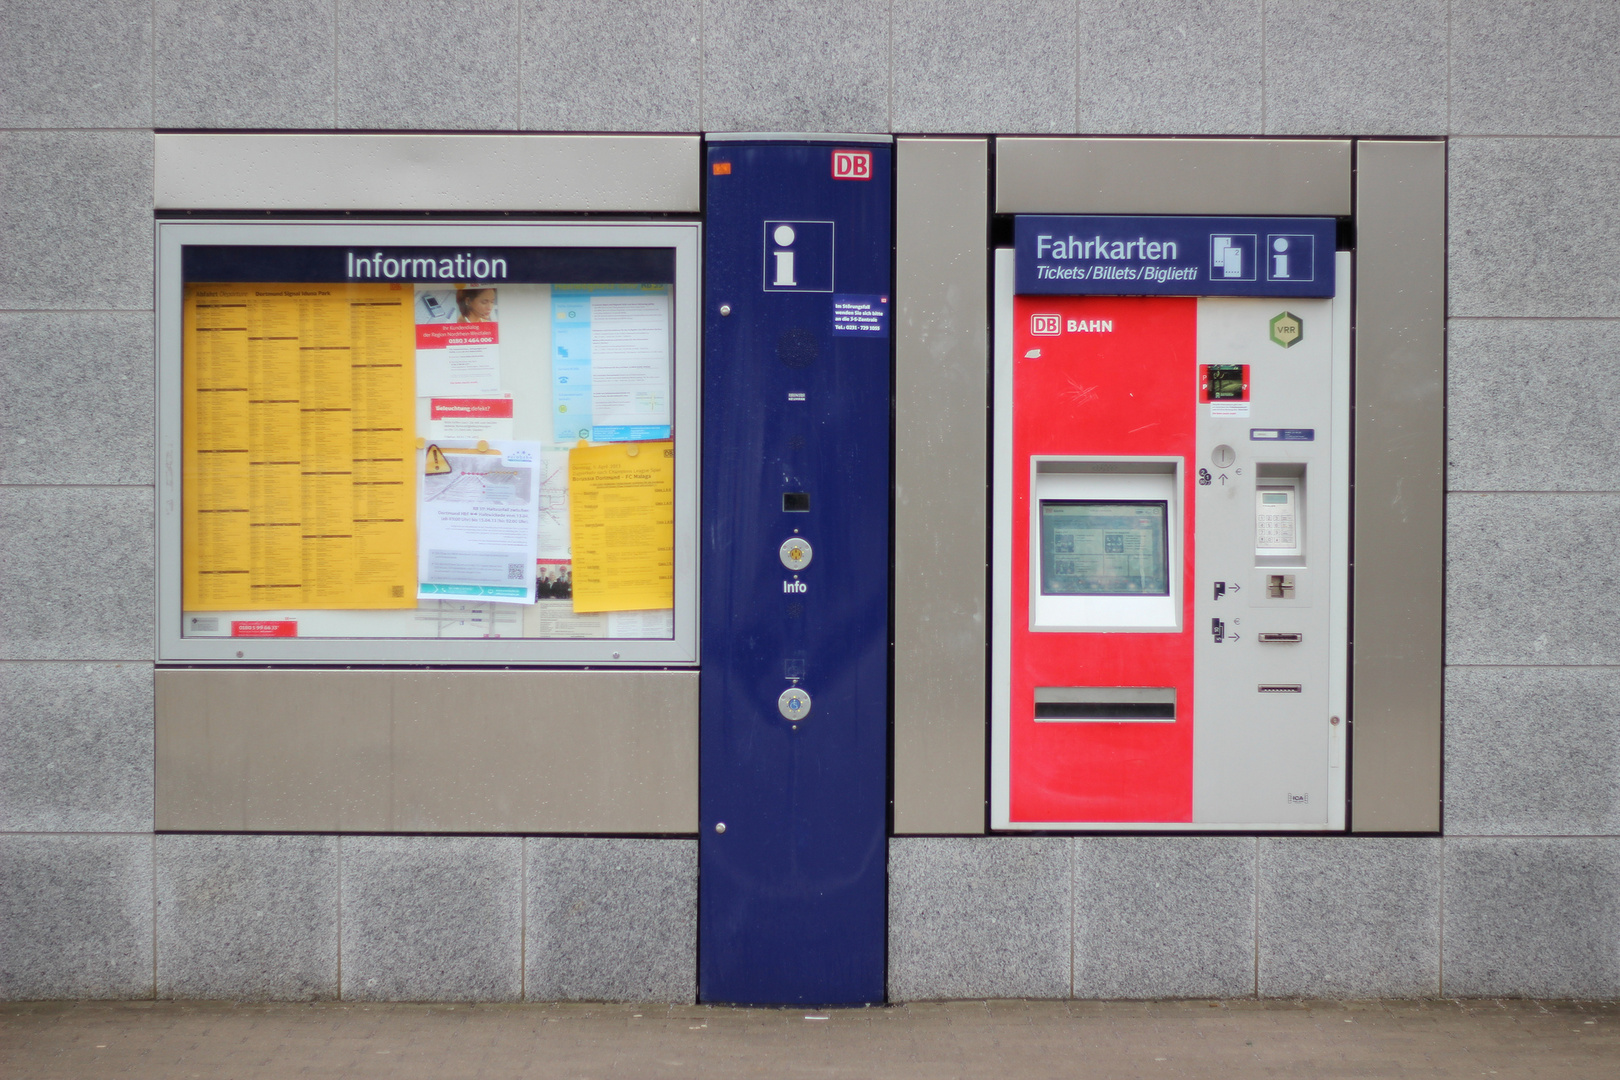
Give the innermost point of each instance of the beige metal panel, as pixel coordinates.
(1400, 486)
(427, 751)
(1172, 176)
(941, 382)
(611, 173)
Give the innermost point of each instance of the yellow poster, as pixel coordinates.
(298, 440)
(622, 521)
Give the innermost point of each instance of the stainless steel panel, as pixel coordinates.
(612, 173)
(1400, 486)
(941, 387)
(1172, 176)
(427, 751)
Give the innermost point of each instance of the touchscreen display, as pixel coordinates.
(1095, 548)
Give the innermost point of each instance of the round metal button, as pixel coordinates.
(795, 553)
(794, 704)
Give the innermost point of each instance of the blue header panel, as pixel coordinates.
(1175, 256)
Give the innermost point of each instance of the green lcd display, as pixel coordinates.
(1095, 548)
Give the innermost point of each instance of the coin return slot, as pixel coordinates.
(1278, 586)
(1284, 638)
(1105, 704)
(795, 502)
(1281, 688)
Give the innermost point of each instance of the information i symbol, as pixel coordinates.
(784, 259)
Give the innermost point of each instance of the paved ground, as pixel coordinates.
(1003, 1040)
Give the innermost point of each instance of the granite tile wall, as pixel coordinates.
(1522, 885)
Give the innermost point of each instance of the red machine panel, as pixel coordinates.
(1104, 376)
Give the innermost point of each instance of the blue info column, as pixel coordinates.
(795, 679)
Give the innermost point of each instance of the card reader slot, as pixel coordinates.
(1105, 704)
(1282, 638)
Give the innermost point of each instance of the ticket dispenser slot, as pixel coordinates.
(1169, 636)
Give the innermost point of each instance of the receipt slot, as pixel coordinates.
(794, 685)
(1171, 505)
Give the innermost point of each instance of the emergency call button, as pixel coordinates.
(793, 704)
(795, 553)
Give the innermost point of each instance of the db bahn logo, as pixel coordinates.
(852, 165)
(1045, 325)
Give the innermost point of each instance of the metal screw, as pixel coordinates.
(719, 826)
(239, 656)
(615, 656)
(725, 309)
(1334, 721)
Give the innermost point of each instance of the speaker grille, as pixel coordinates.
(797, 347)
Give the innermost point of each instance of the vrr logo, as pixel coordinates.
(1045, 325)
(852, 165)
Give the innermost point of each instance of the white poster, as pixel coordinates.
(477, 521)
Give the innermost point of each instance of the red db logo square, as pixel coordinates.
(852, 164)
(1045, 325)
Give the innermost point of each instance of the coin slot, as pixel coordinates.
(1281, 688)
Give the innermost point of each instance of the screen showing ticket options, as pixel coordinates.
(1095, 548)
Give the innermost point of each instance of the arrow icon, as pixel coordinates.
(1223, 479)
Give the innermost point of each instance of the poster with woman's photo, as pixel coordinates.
(457, 341)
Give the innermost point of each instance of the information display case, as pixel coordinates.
(428, 442)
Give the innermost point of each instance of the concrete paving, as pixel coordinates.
(1000, 1039)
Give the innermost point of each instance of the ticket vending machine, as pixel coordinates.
(795, 615)
(1171, 499)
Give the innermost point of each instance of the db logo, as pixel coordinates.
(852, 164)
(1045, 325)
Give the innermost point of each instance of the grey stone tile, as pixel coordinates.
(979, 917)
(815, 65)
(432, 918)
(1533, 405)
(77, 747)
(1188, 68)
(1004, 65)
(82, 380)
(629, 66)
(75, 917)
(1530, 579)
(75, 63)
(1349, 917)
(245, 63)
(611, 920)
(1532, 227)
(1373, 67)
(77, 579)
(75, 220)
(428, 64)
(1545, 67)
(247, 917)
(1532, 751)
(1533, 918)
(1163, 916)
